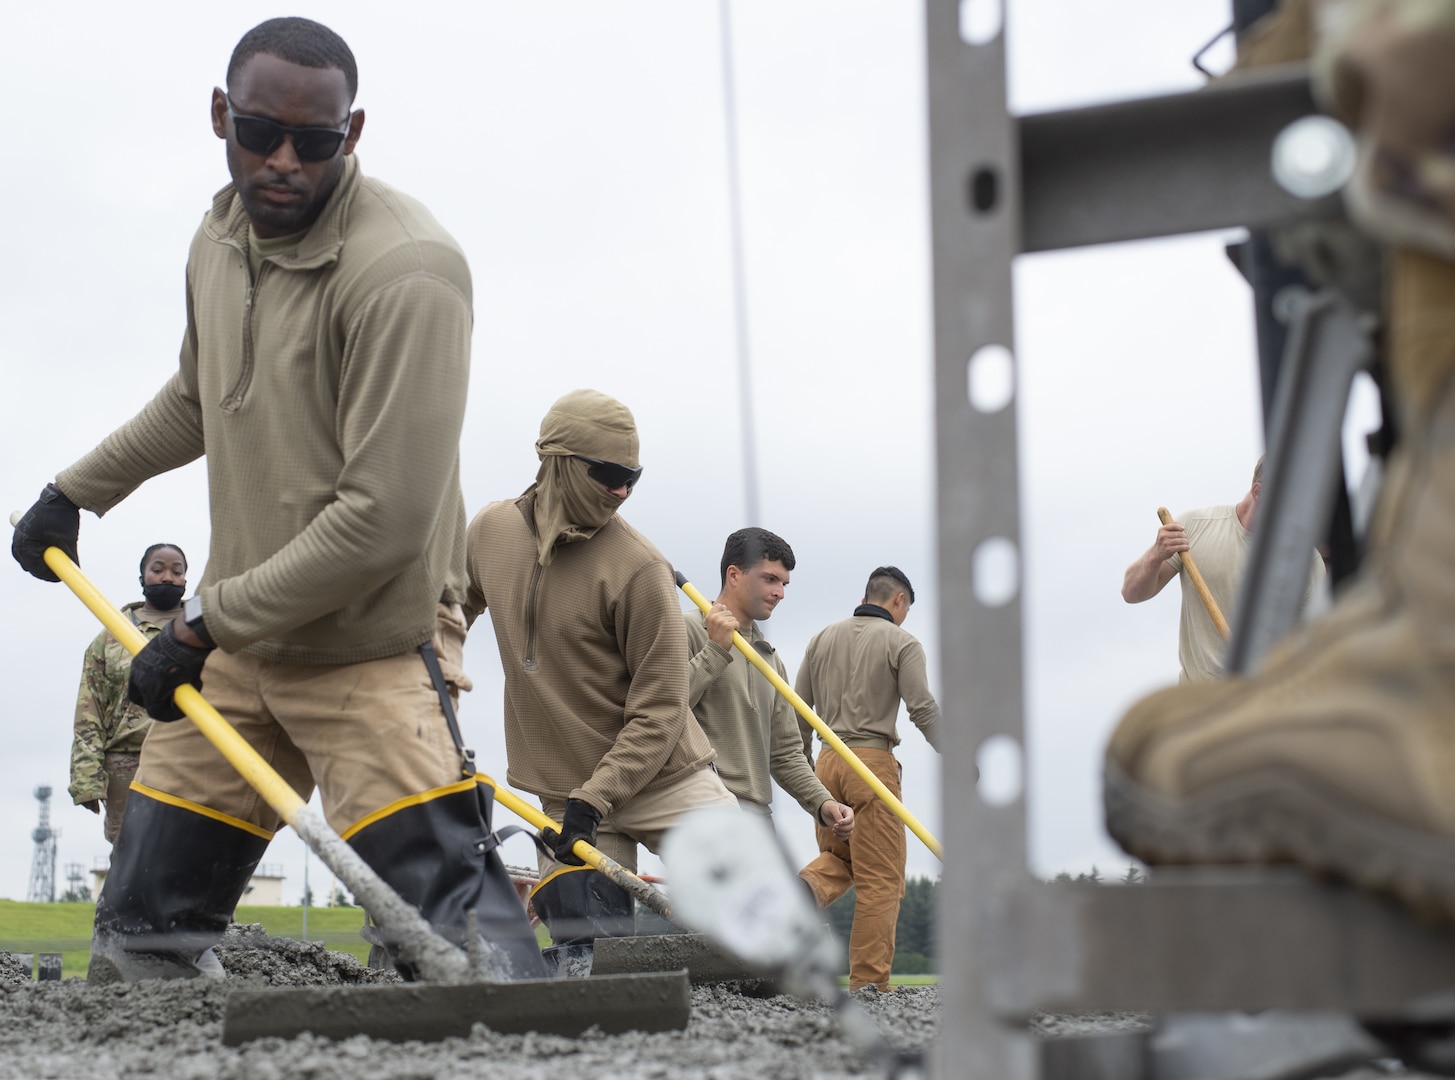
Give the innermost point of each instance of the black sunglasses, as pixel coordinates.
(259, 135)
(610, 474)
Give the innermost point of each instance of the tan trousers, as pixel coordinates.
(872, 862)
(366, 734)
(645, 818)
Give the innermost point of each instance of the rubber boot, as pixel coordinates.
(438, 852)
(1337, 754)
(579, 905)
(176, 877)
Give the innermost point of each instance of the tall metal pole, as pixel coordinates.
(749, 436)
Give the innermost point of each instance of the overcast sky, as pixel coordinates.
(576, 151)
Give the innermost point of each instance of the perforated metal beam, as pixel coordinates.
(975, 212)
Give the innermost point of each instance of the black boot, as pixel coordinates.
(579, 905)
(440, 855)
(176, 877)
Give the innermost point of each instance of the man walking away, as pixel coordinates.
(854, 675)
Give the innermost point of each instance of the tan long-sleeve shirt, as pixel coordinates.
(750, 725)
(328, 397)
(592, 647)
(854, 675)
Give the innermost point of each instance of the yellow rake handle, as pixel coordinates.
(826, 732)
(275, 791)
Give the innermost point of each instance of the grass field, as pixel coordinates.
(66, 929)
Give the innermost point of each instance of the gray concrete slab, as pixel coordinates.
(429, 1012)
(704, 961)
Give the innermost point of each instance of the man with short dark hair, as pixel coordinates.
(590, 636)
(323, 374)
(854, 674)
(750, 725)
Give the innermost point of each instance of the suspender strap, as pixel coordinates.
(447, 705)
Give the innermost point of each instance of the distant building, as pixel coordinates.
(264, 890)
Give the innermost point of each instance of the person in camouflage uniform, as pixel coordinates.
(109, 728)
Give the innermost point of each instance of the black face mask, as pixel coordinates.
(164, 596)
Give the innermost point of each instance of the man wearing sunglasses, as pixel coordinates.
(591, 639)
(323, 374)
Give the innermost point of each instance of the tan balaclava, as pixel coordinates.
(570, 506)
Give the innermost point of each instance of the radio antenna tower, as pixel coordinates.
(43, 864)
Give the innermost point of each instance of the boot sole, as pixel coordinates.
(1277, 817)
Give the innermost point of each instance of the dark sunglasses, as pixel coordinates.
(259, 135)
(610, 474)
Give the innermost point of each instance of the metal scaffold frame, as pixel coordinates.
(1188, 946)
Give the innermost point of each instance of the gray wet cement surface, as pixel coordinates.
(173, 1031)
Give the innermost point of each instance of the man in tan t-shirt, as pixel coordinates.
(855, 673)
(1220, 538)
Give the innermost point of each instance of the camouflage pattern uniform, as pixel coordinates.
(109, 728)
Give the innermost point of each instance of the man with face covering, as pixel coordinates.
(109, 728)
(591, 639)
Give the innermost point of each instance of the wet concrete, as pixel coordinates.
(252, 958)
(13, 971)
(173, 1031)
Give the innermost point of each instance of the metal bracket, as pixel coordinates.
(1329, 343)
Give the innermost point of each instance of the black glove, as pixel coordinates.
(54, 521)
(159, 669)
(578, 823)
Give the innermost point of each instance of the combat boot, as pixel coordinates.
(579, 905)
(1337, 755)
(438, 852)
(177, 873)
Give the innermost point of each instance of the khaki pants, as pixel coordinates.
(872, 862)
(645, 818)
(366, 734)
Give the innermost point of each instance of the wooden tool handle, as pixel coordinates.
(1195, 576)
